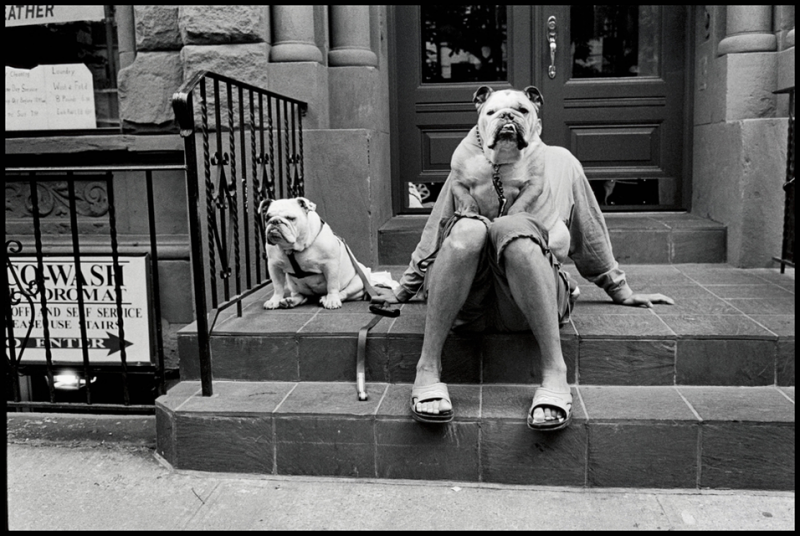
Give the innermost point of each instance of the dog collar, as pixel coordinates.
(299, 273)
(498, 184)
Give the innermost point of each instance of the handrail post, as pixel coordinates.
(196, 243)
(224, 197)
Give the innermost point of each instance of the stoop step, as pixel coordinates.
(653, 437)
(637, 238)
(695, 395)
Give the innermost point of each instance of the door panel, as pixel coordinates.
(616, 98)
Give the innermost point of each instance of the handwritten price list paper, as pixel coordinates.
(50, 97)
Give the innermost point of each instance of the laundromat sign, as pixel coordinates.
(99, 299)
(30, 15)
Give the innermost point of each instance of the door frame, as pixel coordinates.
(536, 19)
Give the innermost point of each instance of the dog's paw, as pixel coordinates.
(272, 303)
(292, 301)
(331, 301)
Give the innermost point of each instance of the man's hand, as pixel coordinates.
(385, 295)
(637, 300)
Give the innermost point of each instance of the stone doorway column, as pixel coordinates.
(294, 35)
(748, 29)
(350, 31)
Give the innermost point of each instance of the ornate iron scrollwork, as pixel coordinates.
(16, 293)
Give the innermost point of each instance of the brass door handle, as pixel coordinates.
(551, 37)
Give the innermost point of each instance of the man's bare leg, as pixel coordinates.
(448, 287)
(530, 278)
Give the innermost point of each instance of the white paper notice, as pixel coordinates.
(50, 97)
(99, 310)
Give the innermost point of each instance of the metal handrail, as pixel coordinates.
(232, 191)
(33, 176)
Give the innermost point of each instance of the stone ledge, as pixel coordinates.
(654, 238)
(728, 327)
(670, 437)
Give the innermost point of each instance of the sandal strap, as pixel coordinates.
(436, 391)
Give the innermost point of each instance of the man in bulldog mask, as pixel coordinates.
(511, 210)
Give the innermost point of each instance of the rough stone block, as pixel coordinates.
(357, 202)
(208, 25)
(165, 434)
(724, 404)
(621, 405)
(355, 97)
(748, 456)
(751, 79)
(255, 358)
(513, 454)
(326, 446)
(157, 28)
(224, 444)
(305, 81)
(640, 246)
(647, 455)
(785, 362)
(725, 362)
(243, 62)
(627, 362)
(408, 449)
(328, 358)
(146, 87)
(238, 398)
(697, 245)
(516, 358)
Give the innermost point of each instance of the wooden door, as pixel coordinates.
(614, 93)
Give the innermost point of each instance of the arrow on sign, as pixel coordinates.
(112, 343)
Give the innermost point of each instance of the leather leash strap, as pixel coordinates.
(379, 308)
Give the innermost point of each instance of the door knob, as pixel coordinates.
(551, 37)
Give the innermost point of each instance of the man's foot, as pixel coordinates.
(550, 409)
(430, 399)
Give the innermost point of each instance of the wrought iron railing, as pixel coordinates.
(251, 144)
(60, 298)
(787, 244)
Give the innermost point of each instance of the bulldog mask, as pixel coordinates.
(508, 121)
(305, 258)
(503, 172)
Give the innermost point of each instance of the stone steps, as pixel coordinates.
(652, 437)
(641, 238)
(695, 395)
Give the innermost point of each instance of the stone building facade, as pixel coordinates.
(342, 61)
(338, 59)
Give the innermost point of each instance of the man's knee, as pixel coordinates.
(523, 251)
(468, 234)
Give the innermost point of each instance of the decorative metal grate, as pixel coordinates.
(251, 149)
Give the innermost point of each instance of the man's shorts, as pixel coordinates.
(490, 304)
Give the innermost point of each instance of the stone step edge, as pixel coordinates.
(665, 437)
(648, 360)
(699, 403)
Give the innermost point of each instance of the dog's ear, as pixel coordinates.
(263, 207)
(535, 96)
(481, 95)
(306, 205)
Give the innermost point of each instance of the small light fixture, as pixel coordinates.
(69, 381)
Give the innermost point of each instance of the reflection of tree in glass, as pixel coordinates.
(479, 31)
(605, 41)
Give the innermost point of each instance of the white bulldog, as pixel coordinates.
(509, 148)
(305, 258)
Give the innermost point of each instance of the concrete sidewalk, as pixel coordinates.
(100, 473)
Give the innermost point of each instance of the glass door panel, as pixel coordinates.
(614, 41)
(464, 44)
